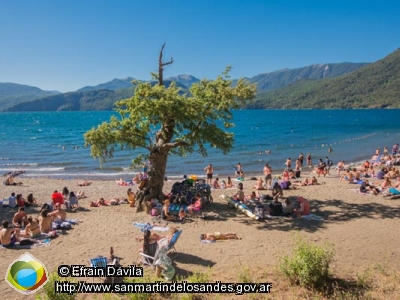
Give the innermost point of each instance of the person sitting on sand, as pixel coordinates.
(254, 196)
(131, 197)
(217, 236)
(196, 206)
(386, 184)
(57, 197)
(72, 201)
(366, 187)
(21, 202)
(277, 190)
(81, 195)
(287, 208)
(32, 230)
(348, 176)
(8, 236)
(65, 192)
(31, 200)
(239, 196)
(165, 214)
(223, 185)
(229, 183)
(59, 215)
(215, 184)
(182, 215)
(313, 181)
(259, 184)
(45, 221)
(137, 178)
(84, 183)
(304, 208)
(20, 218)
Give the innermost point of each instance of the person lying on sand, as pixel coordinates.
(84, 183)
(219, 236)
(154, 237)
(99, 202)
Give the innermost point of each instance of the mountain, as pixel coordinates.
(281, 78)
(81, 100)
(12, 93)
(185, 80)
(112, 85)
(376, 85)
(73, 101)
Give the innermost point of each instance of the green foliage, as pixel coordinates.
(145, 279)
(49, 288)
(376, 85)
(245, 275)
(309, 264)
(164, 120)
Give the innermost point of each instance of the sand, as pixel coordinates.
(360, 227)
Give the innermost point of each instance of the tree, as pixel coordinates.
(165, 121)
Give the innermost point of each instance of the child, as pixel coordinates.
(182, 214)
(239, 196)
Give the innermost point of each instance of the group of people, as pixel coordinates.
(24, 226)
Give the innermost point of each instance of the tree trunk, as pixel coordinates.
(158, 161)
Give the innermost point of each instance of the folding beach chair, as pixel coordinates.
(102, 262)
(171, 245)
(160, 247)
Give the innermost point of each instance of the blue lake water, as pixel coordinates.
(50, 144)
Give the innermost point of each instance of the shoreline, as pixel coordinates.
(351, 223)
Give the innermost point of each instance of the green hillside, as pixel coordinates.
(12, 93)
(376, 85)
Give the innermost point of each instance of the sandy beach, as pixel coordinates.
(360, 227)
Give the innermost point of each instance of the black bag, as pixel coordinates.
(27, 242)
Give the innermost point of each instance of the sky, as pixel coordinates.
(64, 45)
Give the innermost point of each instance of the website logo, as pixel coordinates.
(26, 274)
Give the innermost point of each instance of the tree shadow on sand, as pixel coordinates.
(332, 211)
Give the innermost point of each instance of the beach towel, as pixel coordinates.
(37, 243)
(147, 226)
(394, 191)
(206, 241)
(312, 217)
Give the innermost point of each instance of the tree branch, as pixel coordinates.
(161, 66)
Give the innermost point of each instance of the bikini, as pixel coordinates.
(12, 242)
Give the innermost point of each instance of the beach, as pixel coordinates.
(360, 228)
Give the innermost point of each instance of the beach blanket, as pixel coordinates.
(147, 226)
(38, 243)
(206, 241)
(359, 192)
(312, 217)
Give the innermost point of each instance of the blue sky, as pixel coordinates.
(65, 45)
